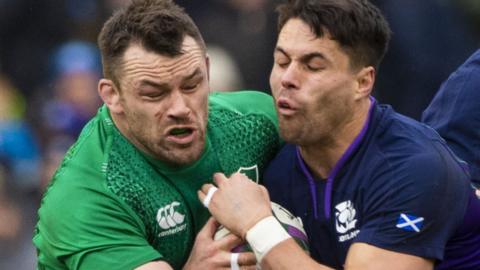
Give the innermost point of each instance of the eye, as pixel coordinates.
(282, 61)
(314, 67)
(190, 87)
(153, 96)
(283, 64)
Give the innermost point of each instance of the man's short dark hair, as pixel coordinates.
(159, 26)
(357, 25)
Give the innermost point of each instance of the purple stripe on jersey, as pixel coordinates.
(328, 190)
(463, 249)
(311, 182)
(296, 233)
(355, 144)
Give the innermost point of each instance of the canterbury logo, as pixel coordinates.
(168, 217)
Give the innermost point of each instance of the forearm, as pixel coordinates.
(270, 242)
(296, 258)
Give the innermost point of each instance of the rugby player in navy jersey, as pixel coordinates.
(374, 189)
(455, 113)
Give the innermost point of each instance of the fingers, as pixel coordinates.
(205, 194)
(219, 178)
(234, 261)
(242, 260)
(209, 195)
(247, 259)
(209, 228)
(230, 241)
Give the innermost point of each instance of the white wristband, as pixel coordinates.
(266, 234)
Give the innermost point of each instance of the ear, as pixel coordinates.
(110, 95)
(365, 81)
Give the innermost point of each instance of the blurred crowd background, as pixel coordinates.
(49, 67)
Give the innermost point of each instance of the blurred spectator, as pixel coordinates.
(75, 70)
(19, 180)
(19, 152)
(430, 39)
(224, 74)
(9, 213)
(244, 28)
(28, 29)
(84, 18)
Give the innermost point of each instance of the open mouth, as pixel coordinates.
(284, 105)
(181, 132)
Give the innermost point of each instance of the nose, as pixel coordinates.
(290, 77)
(179, 108)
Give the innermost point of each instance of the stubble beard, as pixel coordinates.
(175, 155)
(306, 132)
(156, 145)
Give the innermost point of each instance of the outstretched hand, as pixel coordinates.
(210, 254)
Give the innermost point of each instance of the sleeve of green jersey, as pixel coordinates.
(90, 230)
(248, 101)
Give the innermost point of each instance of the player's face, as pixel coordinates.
(312, 83)
(165, 102)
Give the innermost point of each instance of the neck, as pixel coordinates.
(322, 156)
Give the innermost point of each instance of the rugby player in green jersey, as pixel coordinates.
(124, 196)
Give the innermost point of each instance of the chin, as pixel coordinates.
(183, 160)
(184, 156)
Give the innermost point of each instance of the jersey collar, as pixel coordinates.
(336, 169)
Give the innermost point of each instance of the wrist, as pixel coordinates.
(264, 235)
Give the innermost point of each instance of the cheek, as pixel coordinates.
(200, 106)
(274, 78)
(275, 88)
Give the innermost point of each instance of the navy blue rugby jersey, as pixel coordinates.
(397, 187)
(455, 113)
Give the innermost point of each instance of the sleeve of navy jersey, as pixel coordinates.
(454, 113)
(414, 204)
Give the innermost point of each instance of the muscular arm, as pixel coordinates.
(239, 204)
(360, 257)
(365, 256)
(276, 259)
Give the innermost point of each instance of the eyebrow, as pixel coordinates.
(192, 75)
(166, 86)
(161, 86)
(306, 57)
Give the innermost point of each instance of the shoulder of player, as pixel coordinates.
(401, 136)
(405, 150)
(426, 170)
(81, 177)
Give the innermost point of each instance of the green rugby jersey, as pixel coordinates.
(111, 207)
